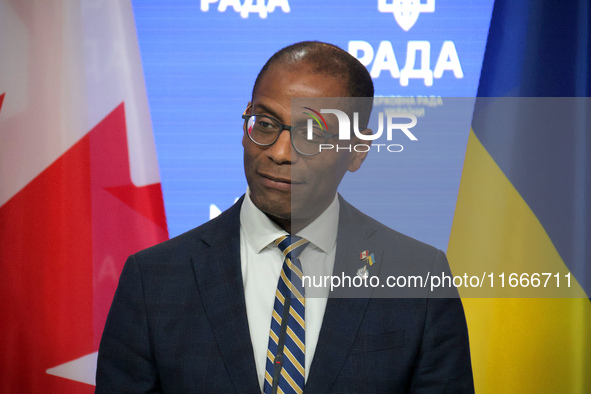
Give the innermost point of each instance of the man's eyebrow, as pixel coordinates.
(265, 109)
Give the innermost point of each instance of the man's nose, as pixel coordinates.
(282, 151)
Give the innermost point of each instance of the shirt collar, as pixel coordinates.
(260, 231)
(322, 232)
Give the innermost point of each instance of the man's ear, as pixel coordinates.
(246, 112)
(357, 158)
(248, 107)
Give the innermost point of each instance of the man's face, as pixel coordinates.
(290, 187)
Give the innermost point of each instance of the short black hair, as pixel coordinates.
(326, 59)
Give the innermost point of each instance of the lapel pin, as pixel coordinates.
(363, 272)
(367, 257)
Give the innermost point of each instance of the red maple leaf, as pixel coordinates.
(65, 237)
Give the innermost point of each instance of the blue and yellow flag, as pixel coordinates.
(524, 204)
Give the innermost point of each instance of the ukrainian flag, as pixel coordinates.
(524, 203)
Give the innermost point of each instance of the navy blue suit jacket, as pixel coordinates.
(178, 320)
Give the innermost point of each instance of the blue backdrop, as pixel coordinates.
(201, 58)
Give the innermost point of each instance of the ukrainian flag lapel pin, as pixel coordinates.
(368, 259)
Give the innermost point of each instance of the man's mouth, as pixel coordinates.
(277, 182)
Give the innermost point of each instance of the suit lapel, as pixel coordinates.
(219, 276)
(343, 316)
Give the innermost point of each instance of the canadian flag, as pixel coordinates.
(79, 184)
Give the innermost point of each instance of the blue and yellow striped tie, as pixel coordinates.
(286, 351)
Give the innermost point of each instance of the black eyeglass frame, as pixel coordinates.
(326, 134)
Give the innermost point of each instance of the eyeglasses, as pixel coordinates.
(265, 131)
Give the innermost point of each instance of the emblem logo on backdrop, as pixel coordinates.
(406, 12)
(418, 52)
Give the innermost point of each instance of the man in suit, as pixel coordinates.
(193, 314)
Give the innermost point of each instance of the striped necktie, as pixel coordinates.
(285, 354)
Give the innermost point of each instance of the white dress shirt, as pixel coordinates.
(261, 263)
